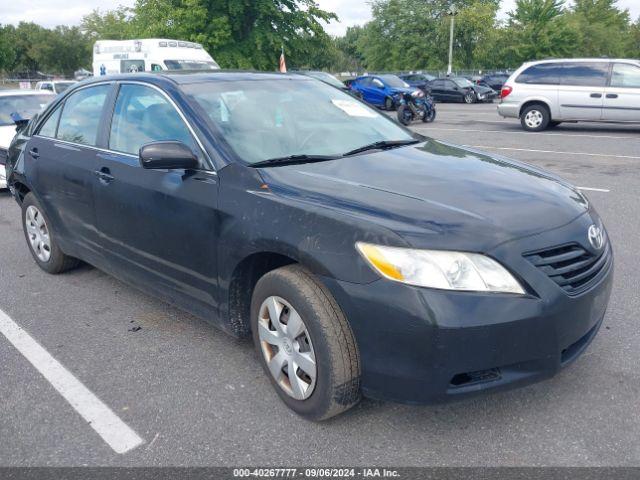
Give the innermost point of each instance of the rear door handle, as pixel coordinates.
(34, 152)
(596, 95)
(104, 175)
(612, 95)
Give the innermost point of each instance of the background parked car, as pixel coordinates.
(494, 81)
(543, 94)
(382, 91)
(328, 79)
(418, 80)
(22, 103)
(55, 86)
(459, 89)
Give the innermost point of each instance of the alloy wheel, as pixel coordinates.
(38, 233)
(469, 98)
(287, 348)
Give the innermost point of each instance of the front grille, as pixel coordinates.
(572, 267)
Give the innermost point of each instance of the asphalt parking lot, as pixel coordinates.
(198, 397)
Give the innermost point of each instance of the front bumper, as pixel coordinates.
(421, 345)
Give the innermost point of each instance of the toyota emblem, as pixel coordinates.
(596, 237)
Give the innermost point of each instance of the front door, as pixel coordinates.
(622, 97)
(158, 226)
(61, 158)
(581, 90)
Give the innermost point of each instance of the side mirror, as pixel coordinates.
(167, 155)
(19, 120)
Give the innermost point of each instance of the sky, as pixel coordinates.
(70, 12)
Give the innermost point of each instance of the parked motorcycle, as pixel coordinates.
(416, 106)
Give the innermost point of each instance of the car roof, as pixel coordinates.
(190, 77)
(18, 91)
(586, 59)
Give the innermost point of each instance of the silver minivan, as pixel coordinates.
(545, 93)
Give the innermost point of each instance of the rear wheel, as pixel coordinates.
(305, 343)
(40, 239)
(535, 118)
(429, 116)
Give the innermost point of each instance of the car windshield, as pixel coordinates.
(24, 105)
(327, 78)
(191, 65)
(60, 87)
(275, 118)
(463, 82)
(394, 81)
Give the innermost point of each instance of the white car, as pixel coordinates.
(54, 86)
(545, 93)
(24, 103)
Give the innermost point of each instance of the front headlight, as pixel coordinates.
(440, 269)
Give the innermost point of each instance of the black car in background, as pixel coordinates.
(363, 258)
(418, 80)
(459, 89)
(495, 81)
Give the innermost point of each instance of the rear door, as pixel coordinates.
(622, 97)
(60, 161)
(158, 227)
(581, 91)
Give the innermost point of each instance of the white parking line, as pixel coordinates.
(592, 189)
(553, 151)
(118, 435)
(532, 133)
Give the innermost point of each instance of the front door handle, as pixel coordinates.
(596, 95)
(104, 175)
(612, 95)
(34, 152)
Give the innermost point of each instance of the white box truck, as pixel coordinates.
(149, 55)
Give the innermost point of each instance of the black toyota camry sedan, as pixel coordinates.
(363, 259)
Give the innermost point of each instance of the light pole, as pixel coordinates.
(452, 13)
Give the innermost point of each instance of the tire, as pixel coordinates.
(404, 115)
(389, 104)
(469, 98)
(41, 240)
(430, 116)
(327, 338)
(535, 118)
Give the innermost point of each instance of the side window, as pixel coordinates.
(542, 74)
(449, 85)
(377, 83)
(50, 126)
(585, 74)
(624, 75)
(143, 115)
(81, 115)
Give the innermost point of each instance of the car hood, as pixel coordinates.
(7, 132)
(483, 89)
(402, 90)
(435, 195)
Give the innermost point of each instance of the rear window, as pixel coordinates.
(585, 74)
(542, 74)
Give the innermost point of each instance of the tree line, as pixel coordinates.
(402, 35)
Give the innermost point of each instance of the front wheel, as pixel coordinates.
(389, 104)
(429, 116)
(405, 115)
(469, 98)
(305, 343)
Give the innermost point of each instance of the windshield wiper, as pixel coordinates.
(382, 145)
(292, 159)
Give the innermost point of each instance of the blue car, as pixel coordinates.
(383, 91)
